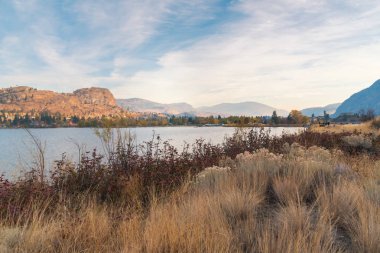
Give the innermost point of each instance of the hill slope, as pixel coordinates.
(318, 111)
(244, 108)
(224, 109)
(87, 102)
(368, 98)
(143, 105)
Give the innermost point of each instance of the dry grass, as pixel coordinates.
(365, 128)
(306, 200)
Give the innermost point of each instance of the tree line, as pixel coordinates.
(47, 119)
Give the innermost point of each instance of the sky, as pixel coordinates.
(290, 54)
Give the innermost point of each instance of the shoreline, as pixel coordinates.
(234, 126)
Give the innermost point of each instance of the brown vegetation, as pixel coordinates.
(267, 194)
(370, 127)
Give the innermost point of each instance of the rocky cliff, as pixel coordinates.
(87, 102)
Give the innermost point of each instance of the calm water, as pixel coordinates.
(16, 146)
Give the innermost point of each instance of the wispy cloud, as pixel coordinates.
(287, 53)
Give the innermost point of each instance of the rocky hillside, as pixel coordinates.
(88, 102)
(363, 100)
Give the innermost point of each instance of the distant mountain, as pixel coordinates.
(363, 100)
(318, 111)
(143, 105)
(244, 108)
(184, 109)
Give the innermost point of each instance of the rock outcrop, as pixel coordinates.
(87, 102)
(95, 96)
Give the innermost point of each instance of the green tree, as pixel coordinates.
(275, 119)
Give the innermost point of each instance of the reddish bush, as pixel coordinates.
(135, 170)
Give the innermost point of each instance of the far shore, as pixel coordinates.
(227, 125)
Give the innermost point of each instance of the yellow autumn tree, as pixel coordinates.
(298, 117)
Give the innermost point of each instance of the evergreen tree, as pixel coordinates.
(275, 119)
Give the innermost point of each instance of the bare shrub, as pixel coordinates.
(376, 123)
(275, 197)
(358, 141)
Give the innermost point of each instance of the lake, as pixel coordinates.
(16, 145)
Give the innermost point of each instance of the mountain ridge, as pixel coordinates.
(144, 105)
(368, 98)
(247, 108)
(86, 102)
(319, 110)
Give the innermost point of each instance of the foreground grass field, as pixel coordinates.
(277, 196)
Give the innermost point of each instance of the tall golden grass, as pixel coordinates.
(370, 127)
(305, 200)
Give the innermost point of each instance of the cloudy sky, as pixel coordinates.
(285, 53)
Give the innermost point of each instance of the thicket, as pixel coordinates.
(129, 173)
